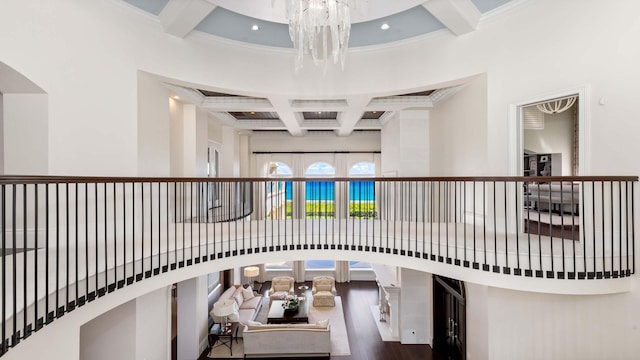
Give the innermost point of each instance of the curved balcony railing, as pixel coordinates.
(69, 240)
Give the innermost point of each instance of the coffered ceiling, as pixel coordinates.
(263, 23)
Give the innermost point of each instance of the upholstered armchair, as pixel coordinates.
(281, 286)
(324, 291)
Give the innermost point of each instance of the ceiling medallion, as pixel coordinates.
(320, 28)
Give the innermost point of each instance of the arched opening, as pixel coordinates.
(279, 192)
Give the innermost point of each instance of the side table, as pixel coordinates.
(224, 337)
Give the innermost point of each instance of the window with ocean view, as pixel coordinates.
(362, 199)
(320, 194)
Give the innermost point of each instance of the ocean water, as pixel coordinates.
(325, 190)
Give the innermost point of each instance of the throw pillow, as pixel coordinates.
(238, 298)
(247, 293)
(323, 323)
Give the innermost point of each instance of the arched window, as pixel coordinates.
(362, 197)
(320, 194)
(279, 195)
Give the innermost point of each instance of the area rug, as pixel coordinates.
(335, 314)
(339, 337)
(222, 352)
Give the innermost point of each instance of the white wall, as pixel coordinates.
(477, 315)
(416, 304)
(176, 136)
(556, 137)
(153, 127)
(405, 144)
(368, 141)
(26, 134)
(458, 129)
(524, 325)
(153, 325)
(109, 336)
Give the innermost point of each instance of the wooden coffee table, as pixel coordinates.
(277, 315)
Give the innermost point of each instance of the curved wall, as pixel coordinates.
(86, 55)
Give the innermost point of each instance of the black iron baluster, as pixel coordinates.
(15, 338)
(485, 265)
(24, 262)
(584, 232)
(115, 238)
(66, 219)
(4, 271)
(175, 226)
(106, 264)
(95, 276)
(86, 241)
(439, 218)
(35, 270)
(465, 262)
(58, 311)
(77, 259)
(475, 262)
(166, 210)
(157, 270)
(573, 230)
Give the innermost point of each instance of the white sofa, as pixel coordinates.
(281, 340)
(247, 308)
(555, 196)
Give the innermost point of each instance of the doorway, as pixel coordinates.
(449, 318)
(551, 146)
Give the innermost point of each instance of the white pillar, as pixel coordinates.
(192, 317)
(153, 325)
(416, 305)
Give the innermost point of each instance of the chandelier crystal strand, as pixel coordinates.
(320, 28)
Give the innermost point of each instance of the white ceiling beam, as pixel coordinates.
(349, 118)
(180, 17)
(459, 16)
(289, 118)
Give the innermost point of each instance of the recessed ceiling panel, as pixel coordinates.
(151, 6)
(227, 24)
(488, 5)
(254, 115)
(413, 22)
(208, 93)
(320, 115)
(372, 114)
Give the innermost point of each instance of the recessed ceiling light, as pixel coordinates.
(176, 97)
(385, 26)
(375, 112)
(252, 113)
(255, 27)
(319, 112)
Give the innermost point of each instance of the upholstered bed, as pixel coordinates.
(558, 197)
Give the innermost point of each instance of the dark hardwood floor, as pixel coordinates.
(364, 339)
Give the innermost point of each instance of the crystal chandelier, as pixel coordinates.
(320, 28)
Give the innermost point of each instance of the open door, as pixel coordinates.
(449, 318)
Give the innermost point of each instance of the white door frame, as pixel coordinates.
(516, 130)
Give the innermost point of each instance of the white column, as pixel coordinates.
(416, 305)
(192, 317)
